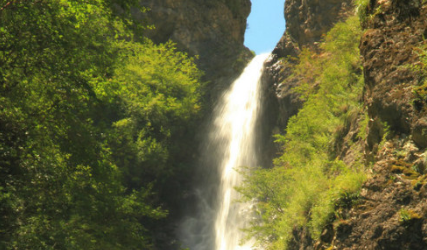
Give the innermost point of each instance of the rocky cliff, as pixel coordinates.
(391, 210)
(212, 30)
(306, 22)
(393, 207)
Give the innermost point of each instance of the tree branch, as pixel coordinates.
(6, 5)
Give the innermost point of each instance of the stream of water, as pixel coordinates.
(234, 126)
(233, 136)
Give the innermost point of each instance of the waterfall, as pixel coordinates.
(233, 136)
(234, 126)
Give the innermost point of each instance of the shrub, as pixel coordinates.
(408, 215)
(308, 180)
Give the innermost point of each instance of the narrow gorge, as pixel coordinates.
(147, 124)
(355, 143)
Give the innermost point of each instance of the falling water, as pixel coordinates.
(231, 142)
(234, 128)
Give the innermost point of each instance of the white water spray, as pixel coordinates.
(218, 222)
(234, 128)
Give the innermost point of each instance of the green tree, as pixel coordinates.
(156, 92)
(78, 98)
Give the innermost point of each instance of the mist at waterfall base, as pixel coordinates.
(217, 223)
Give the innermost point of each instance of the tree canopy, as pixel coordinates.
(91, 115)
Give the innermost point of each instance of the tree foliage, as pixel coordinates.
(308, 180)
(89, 118)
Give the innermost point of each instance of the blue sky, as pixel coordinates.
(266, 25)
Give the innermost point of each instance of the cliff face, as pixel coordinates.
(389, 49)
(306, 22)
(213, 30)
(391, 209)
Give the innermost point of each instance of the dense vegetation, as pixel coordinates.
(312, 180)
(92, 125)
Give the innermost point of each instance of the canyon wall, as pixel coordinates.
(391, 213)
(212, 30)
(391, 208)
(306, 22)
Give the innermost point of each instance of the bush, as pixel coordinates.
(309, 180)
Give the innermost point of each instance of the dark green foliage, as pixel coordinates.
(82, 110)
